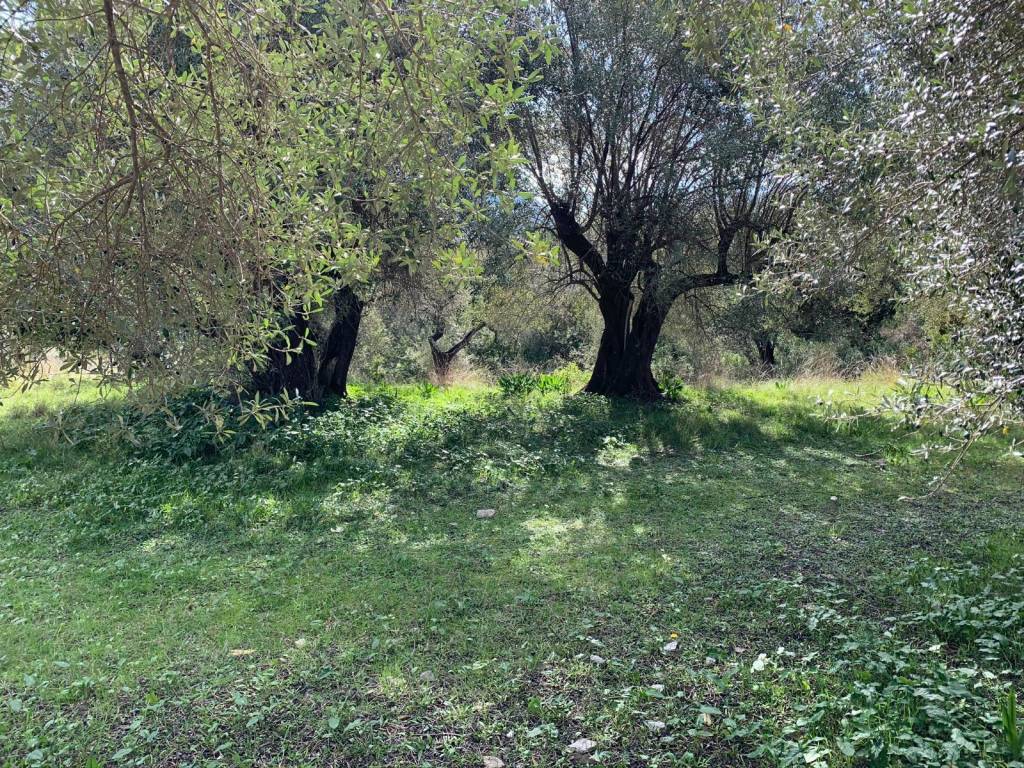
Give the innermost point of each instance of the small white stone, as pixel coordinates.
(582, 746)
(654, 726)
(658, 687)
(300, 643)
(484, 514)
(670, 646)
(596, 659)
(490, 761)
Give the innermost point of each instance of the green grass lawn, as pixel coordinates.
(730, 580)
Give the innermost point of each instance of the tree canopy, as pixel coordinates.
(195, 190)
(916, 180)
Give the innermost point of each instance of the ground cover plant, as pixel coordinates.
(734, 577)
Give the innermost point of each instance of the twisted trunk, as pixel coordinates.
(442, 359)
(314, 372)
(623, 364)
(765, 350)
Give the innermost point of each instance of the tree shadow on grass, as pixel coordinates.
(360, 466)
(382, 453)
(729, 477)
(616, 524)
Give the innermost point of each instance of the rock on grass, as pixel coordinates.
(582, 746)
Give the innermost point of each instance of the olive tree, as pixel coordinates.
(203, 190)
(921, 181)
(632, 149)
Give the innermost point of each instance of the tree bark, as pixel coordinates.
(765, 351)
(623, 364)
(443, 359)
(624, 356)
(314, 372)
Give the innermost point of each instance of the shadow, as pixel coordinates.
(354, 528)
(594, 496)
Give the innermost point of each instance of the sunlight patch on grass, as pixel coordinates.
(355, 529)
(548, 532)
(160, 545)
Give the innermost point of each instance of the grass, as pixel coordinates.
(324, 594)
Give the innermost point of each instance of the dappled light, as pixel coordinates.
(352, 532)
(511, 383)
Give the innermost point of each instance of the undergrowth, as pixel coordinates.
(728, 579)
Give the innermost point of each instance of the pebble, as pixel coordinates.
(582, 746)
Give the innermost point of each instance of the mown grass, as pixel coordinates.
(324, 594)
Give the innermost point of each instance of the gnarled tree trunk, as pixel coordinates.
(443, 359)
(765, 351)
(623, 364)
(314, 372)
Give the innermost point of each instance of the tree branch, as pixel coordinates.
(466, 339)
(133, 120)
(571, 236)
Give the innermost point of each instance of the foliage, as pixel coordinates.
(673, 387)
(922, 687)
(521, 384)
(278, 603)
(185, 185)
(192, 425)
(918, 181)
(538, 326)
(1011, 728)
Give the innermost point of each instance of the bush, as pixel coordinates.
(565, 379)
(195, 424)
